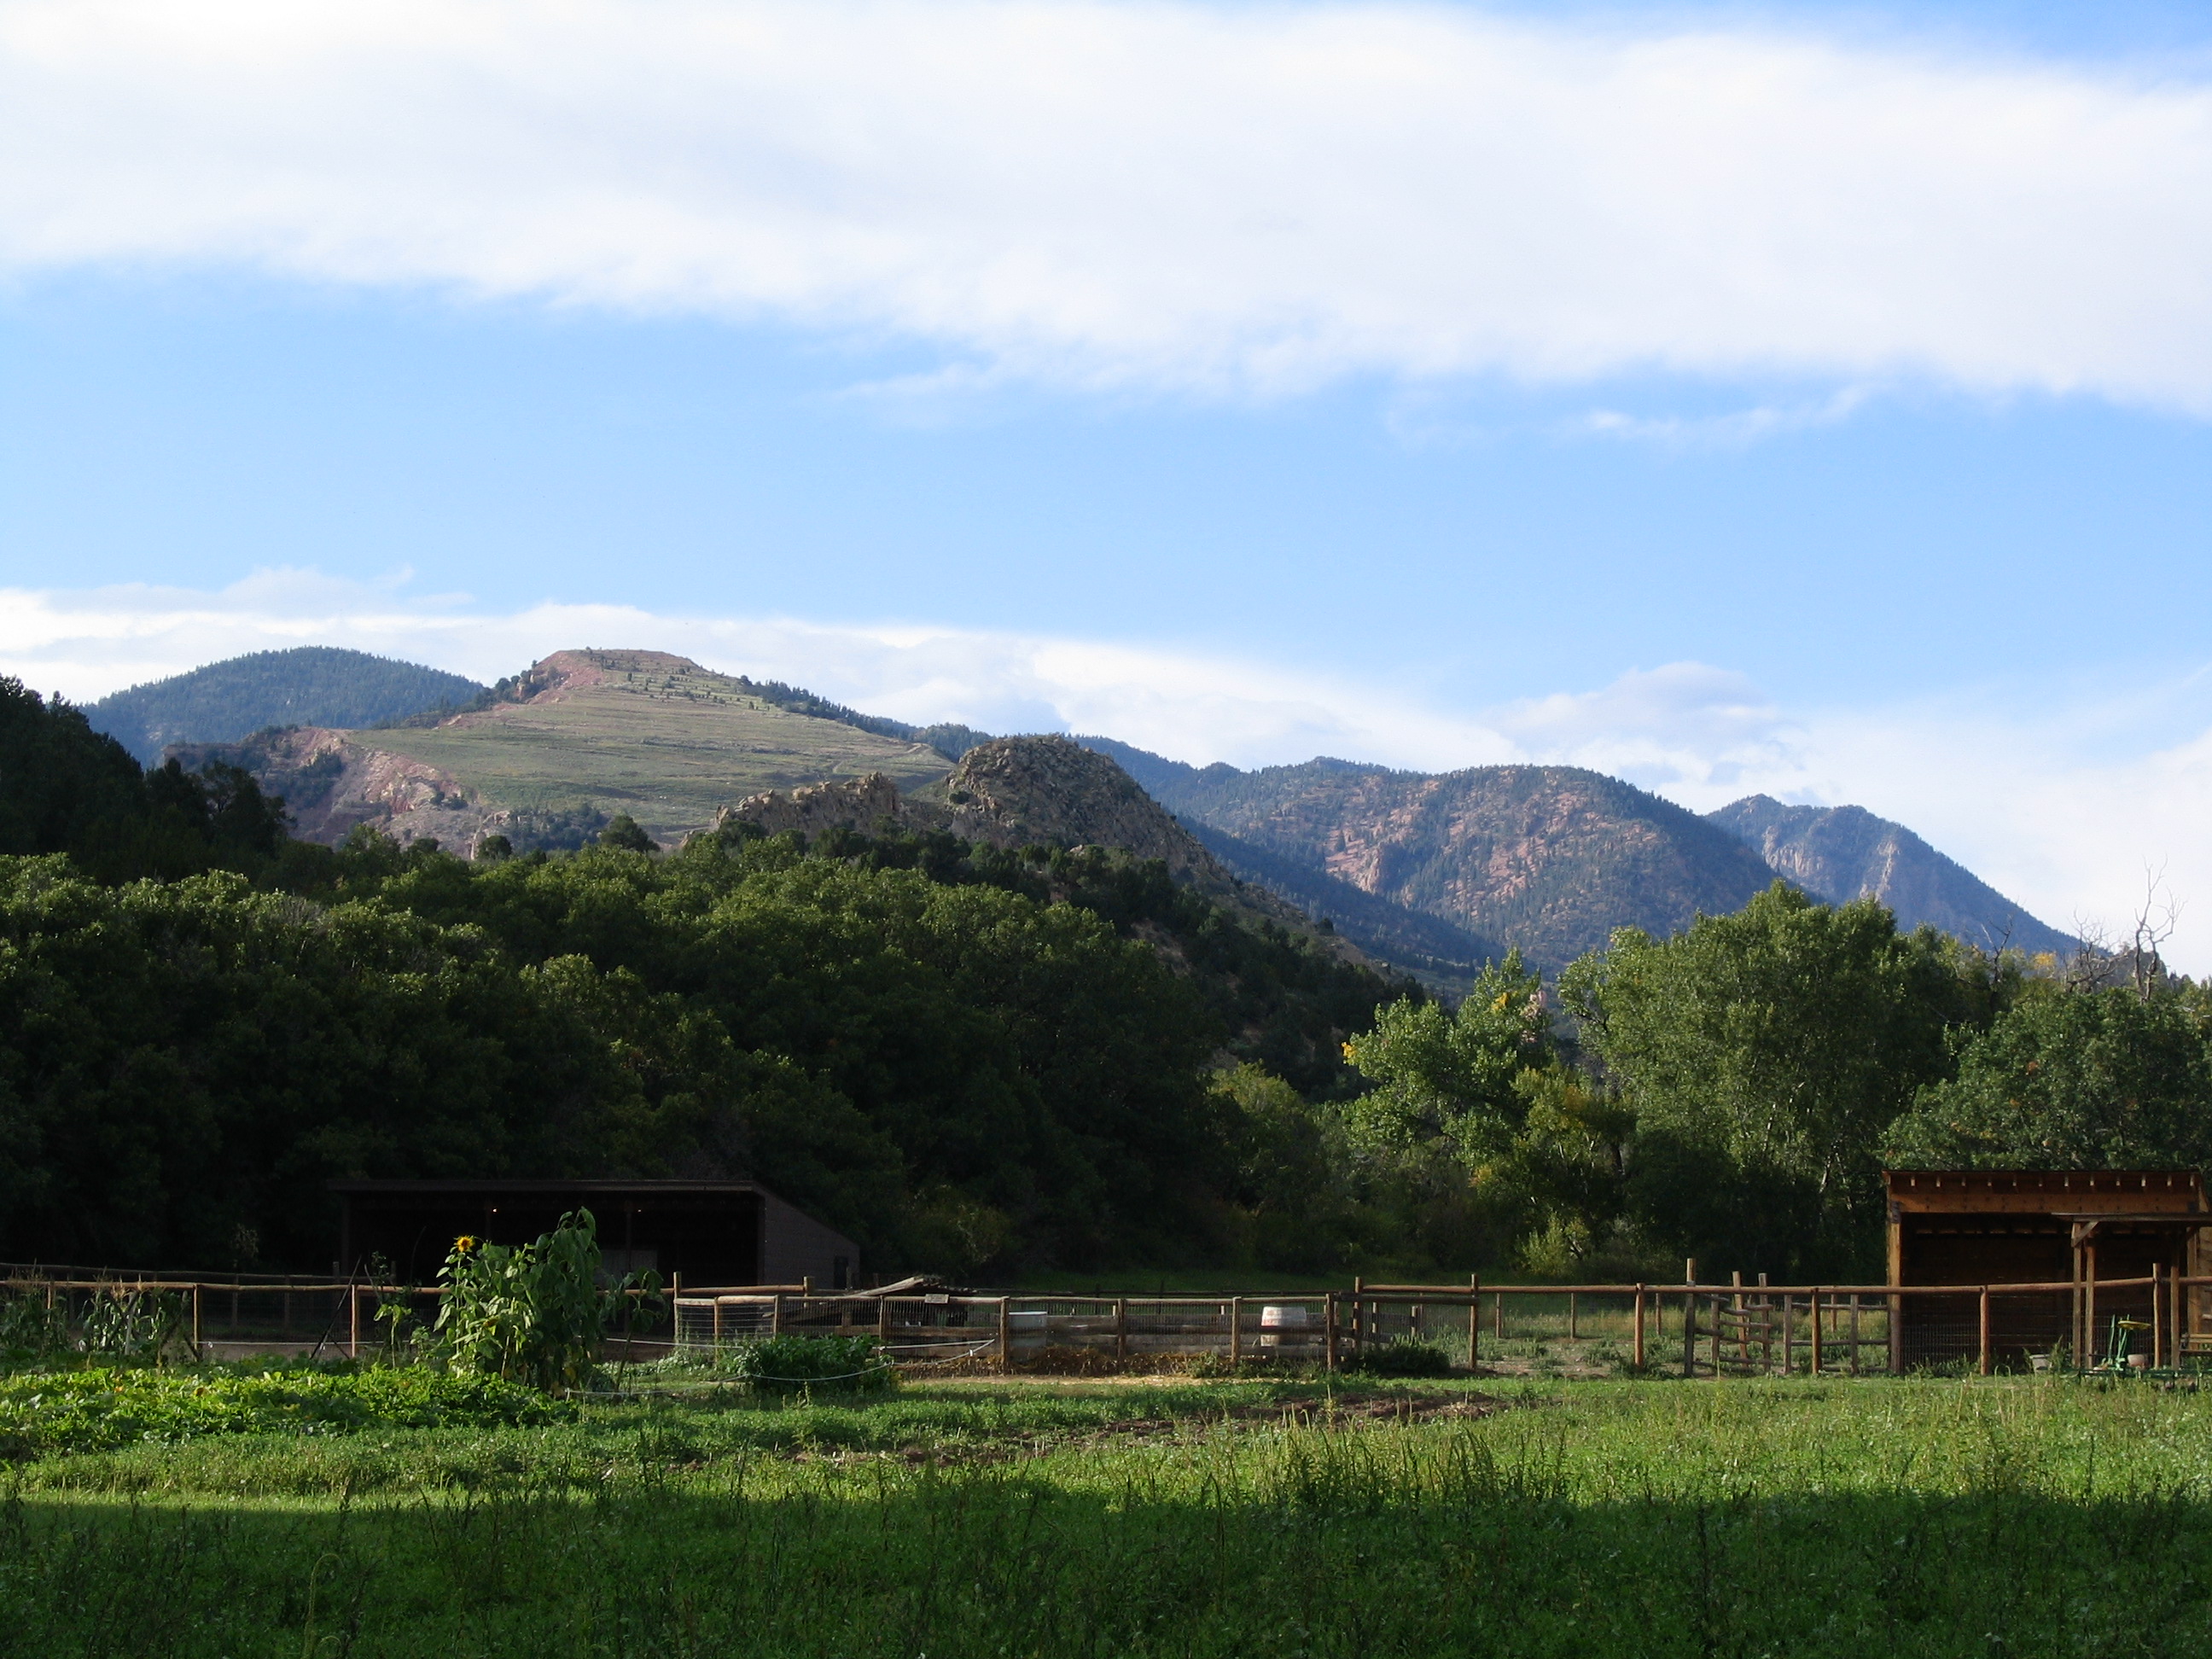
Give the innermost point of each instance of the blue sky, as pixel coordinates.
(1805, 398)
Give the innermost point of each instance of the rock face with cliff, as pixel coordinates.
(1842, 852)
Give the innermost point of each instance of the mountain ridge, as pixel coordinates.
(306, 685)
(1433, 873)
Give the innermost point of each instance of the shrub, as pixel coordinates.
(815, 1364)
(1403, 1359)
(99, 1409)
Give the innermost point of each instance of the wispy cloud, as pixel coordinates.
(2060, 800)
(1246, 198)
(1733, 429)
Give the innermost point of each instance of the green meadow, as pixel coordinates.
(1006, 1517)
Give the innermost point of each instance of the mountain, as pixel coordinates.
(1551, 859)
(1430, 874)
(1037, 790)
(1840, 853)
(313, 685)
(548, 755)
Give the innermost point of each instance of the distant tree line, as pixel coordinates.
(1734, 1093)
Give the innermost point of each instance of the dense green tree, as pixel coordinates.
(624, 834)
(1764, 1053)
(1453, 1077)
(2071, 1081)
(61, 782)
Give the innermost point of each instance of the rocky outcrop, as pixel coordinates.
(1023, 792)
(331, 781)
(863, 804)
(1013, 792)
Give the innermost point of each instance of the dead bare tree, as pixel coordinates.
(2156, 918)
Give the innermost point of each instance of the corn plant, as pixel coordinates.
(30, 1330)
(532, 1313)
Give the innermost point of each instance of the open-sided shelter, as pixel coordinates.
(2066, 1232)
(711, 1232)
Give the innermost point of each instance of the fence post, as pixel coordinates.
(1988, 1360)
(1328, 1332)
(775, 1316)
(1689, 1334)
(884, 1322)
(353, 1320)
(2157, 1319)
(1816, 1331)
(1574, 1319)
(196, 1351)
(1789, 1335)
(1006, 1331)
(2177, 1310)
(1473, 1319)
(1358, 1310)
(1120, 1328)
(1236, 1330)
(714, 1335)
(1854, 1332)
(1639, 1327)
(1896, 1335)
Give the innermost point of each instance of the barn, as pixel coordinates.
(2063, 1253)
(710, 1232)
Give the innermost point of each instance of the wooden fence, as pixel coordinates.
(1690, 1329)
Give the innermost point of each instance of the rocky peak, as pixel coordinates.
(1014, 790)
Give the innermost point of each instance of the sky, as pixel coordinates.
(1796, 397)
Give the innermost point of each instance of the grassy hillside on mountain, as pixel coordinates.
(1842, 852)
(580, 737)
(1549, 858)
(312, 686)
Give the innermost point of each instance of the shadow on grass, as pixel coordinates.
(1306, 1557)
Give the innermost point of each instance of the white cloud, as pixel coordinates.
(85, 644)
(2059, 803)
(1246, 198)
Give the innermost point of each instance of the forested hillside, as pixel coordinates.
(310, 685)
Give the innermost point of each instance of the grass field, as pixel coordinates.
(1290, 1517)
(671, 749)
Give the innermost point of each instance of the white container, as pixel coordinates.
(1275, 1318)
